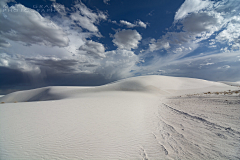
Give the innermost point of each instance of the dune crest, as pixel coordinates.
(161, 85)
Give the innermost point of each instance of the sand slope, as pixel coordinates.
(161, 85)
(136, 118)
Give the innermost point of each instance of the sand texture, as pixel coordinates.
(148, 117)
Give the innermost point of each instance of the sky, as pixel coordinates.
(94, 42)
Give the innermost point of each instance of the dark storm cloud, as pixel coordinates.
(4, 43)
(57, 65)
(13, 80)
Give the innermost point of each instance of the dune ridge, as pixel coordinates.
(163, 85)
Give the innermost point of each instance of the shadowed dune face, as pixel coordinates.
(41, 94)
(161, 85)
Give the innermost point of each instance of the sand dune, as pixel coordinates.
(149, 117)
(232, 83)
(161, 85)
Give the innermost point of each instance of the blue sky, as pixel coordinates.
(93, 42)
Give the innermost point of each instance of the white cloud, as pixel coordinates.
(161, 71)
(202, 22)
(207, 18)
(128, 24)
(231, 35)
(80, 56)
(224, 67)
(31, 28)
(138, 23)
(84, 22)
(142, 24)
(106, 1)
(80, 15)
(3, 3)
(206, 64)
(115, 22)
(94, 49)
(127, 39)
(158, 45)
(89, 13)
(117, 64)
(86, 18)
(190, 6)
(61, 9)
(218, 66)
(76, 55)
(199, 20)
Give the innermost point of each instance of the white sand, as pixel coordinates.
(136, 118)
(233, 83)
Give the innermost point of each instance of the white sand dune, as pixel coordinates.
(161, 85)
(136, 118)
(232, 83)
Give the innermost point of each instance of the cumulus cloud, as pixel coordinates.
(128, 24)
(68, 51)
(190, 6)
(18, 63)
(30, 27)
(3, 3)
(127, 39)
(79, 16)
(208, 17)
(231, 35)
(176, 44)
(117, 64)
(198, 21)
(202, 22)
(94, 49)
(142, 24)
(138, 23)
(156, 45)
(86, 18)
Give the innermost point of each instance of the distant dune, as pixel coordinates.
(148, 117)
(163, 85)
(232, 83)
